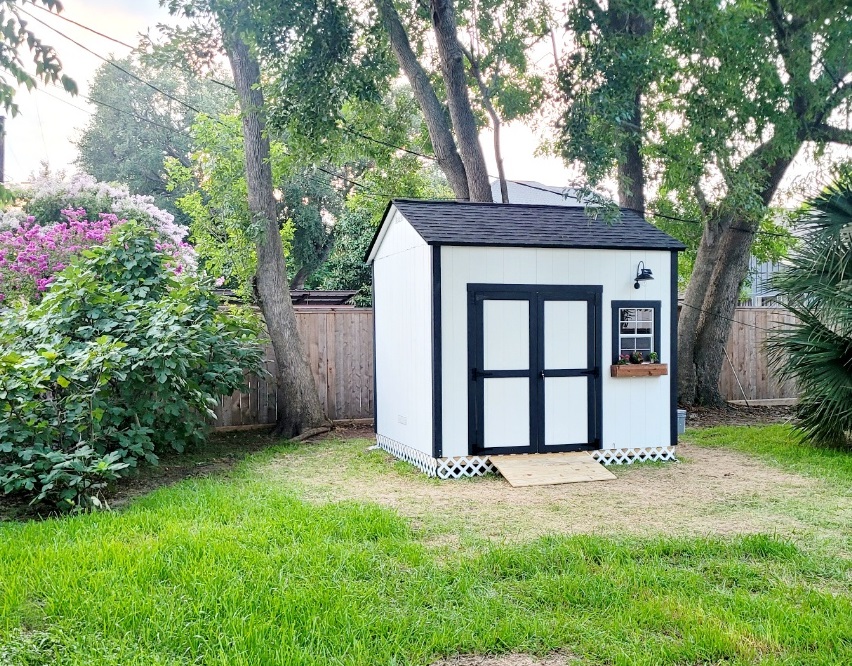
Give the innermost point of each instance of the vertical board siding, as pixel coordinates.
(339, 348)
(746, 352)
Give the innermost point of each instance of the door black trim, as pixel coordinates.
(535, 295)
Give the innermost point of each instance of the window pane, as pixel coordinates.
(643, 344)
(644, 328)
(627, 314)
(628, 344)
(628, 327)
(645, 314)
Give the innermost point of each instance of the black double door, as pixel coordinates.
(534, 356)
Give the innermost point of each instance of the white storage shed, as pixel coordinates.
(503, 329)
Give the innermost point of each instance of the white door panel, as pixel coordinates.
(565, 334)
(566, 410)
(506, 334)
(507, 412)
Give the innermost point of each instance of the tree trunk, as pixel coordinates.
(720, 299)
(626, 20)
(498, 156)
(631, 172)
(692, 311)
(299, 404)
(461, 113)
(433, 111)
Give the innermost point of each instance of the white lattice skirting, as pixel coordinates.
(461, 466)
(630, 456)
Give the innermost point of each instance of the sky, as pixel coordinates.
(46, 127)
(49, 123)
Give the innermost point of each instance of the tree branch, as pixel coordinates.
(823, 132)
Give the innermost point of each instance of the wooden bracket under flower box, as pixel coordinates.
(639, 370)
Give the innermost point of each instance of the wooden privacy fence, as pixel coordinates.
(339, 347)
(748, 357)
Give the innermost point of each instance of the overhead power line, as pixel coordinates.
(114, 64)
(721, 316)
(124, 112)
(80, 25)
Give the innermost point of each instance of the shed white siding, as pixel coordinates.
(636, 411)
(403, 319)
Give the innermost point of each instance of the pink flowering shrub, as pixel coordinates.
(57, 218)
(32, 254)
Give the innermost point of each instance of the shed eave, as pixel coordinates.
(379, 236)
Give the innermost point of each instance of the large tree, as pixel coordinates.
(453, 128)
(135, 127)
(729, 94)
(297, 29)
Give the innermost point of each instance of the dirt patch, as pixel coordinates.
(731, 415)
(506, 660)
(709, 492)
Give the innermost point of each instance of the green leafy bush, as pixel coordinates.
(122, 359)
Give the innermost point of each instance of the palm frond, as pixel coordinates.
(817, 350)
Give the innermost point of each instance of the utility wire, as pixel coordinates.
(721, 316)
(41, 131)
(671, 218)
(118, 41)
(114, 64)
(124, 112)
(80, 25)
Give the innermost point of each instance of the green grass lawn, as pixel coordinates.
(240, 570)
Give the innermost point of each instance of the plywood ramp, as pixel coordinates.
(548, 469)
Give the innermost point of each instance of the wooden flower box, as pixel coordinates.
(639, 370)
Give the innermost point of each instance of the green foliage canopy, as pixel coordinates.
(135, 128)
(729, 93)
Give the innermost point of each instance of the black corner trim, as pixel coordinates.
(655, 305)
(673, 349)
(437, 380)
(375, 359)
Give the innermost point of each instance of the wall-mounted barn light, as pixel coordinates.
(642, 274)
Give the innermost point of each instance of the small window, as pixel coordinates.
(635, 328)
(636, 331)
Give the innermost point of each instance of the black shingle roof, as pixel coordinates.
(524, 225)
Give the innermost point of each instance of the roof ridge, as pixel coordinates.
(461, 202)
